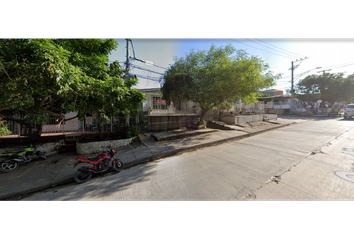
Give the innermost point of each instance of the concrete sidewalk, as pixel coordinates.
(58, 169)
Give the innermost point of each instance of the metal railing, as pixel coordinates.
(74, 126)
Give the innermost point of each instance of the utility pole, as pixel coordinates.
(292, 82)
(127, 66)
(292, 87)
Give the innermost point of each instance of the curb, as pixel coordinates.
(142, 160)
(181, 135)
(187, 149)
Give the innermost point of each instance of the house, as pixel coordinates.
(278, 102)
(154, 103)
(158, 114)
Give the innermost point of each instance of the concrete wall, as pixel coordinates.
(157, 123)
(99, 147)
(269, 117)
(247, 118)
(229, 119)
(277, 111)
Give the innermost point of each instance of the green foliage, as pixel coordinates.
(210, 78)
(133, 130)
(3, 129)
(41, 77)
(198, 122)
(328, 87)
(225, 106)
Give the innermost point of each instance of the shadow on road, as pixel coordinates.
(99, 185)
(348, 119)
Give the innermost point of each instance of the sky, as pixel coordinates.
(309, 56)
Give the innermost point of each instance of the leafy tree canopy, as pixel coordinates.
(210, 78)
(328, 87)
(41, 77)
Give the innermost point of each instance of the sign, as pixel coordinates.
(261, 102)
(160, 101)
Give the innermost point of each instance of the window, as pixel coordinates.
(182, 106)
(158, 103)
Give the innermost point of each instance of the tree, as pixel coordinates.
(330, 88)
(220, 75)
(42, 77)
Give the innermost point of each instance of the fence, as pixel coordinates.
(14, 129)
(72, 127)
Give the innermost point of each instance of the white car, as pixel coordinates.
(349, 111)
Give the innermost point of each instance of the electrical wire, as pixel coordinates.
(339, 66)
(148, 77)
(261, 49)
(153, 65)
(291, 53)
(144, 69)
(134, 58)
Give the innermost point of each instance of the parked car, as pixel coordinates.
(349, 111)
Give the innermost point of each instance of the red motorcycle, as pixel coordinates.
(101, 163)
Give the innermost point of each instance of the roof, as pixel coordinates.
(150, 90)
(286, 95)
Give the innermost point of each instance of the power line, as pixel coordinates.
(144, 69)
(292, 53)
(340, 65)
(134, 58)
(261, 49)
(148, 78)
(153, 65)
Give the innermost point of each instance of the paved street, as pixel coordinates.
(248, 169)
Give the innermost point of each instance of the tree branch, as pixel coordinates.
(54, 114)
(59, 115)
(7, 74)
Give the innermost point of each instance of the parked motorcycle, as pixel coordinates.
(12, 159)
(101, 163)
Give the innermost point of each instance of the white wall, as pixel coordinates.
(247, 118)
(71, 125)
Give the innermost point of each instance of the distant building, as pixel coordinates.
(278, 102)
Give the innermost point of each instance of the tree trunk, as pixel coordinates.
(99, 126)
(39, 130)
(202, 115)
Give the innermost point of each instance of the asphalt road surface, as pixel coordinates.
(311, 160)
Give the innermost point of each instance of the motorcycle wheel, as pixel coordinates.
(118, 165)
(81, 177)
(8, 165)
(41, 155)
(28, 157)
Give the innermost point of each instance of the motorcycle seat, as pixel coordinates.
(94, 159)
